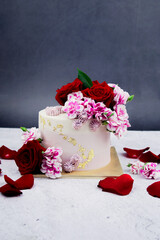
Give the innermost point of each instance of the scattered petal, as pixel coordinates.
(24, 182)
(135, 153)
(149, 157)
(121, 185)
(154, 189)
(9, 191)
(6, 153)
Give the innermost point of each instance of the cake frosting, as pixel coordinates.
(92, 146)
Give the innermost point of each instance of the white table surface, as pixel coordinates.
(77, 208)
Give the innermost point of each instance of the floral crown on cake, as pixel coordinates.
(103, 103)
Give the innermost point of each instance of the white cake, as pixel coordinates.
(81, 124)
(92, 146)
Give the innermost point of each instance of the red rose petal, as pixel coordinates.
(10, 181)
(6, 153)
(121, 185)
(154, 189)
(25, 182)
(149, 157)
(134, 153)
(9, 191)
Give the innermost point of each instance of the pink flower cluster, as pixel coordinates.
(81, 109)
(72, 163)
(52, 162)
(148, 170)
(33, 134)
(118, 123)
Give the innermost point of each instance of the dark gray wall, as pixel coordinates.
(43, 42)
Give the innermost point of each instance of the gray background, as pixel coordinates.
(43, 42)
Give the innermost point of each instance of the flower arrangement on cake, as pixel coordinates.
(104, 103)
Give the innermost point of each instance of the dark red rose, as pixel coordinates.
(62, 93)
(100, 92)
(29, 157)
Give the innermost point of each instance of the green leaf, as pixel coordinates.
(87, 82)
(104, 123)
(111, 115)
(39, 140)
(24, 129)
(129, 165)
(130, 98)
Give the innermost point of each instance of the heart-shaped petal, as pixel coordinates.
(135, 153)
(149, 157)
(154, 189)
(121, 185)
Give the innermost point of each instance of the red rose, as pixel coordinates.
(29, 157)
(100, 92)
(62, 93)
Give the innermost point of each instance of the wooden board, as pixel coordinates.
(112, 169)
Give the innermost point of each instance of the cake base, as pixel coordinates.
(112, 169)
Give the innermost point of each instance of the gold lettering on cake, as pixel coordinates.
(81, 149)
(73, 141)
(42, 120)
(89, 159)
(65, 137)
(58, 129)
(61, 133)
(49, 123)
(54, 128)
(60, 126)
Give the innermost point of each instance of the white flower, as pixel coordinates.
(33, 134)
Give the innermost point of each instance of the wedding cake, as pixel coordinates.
(81, 125)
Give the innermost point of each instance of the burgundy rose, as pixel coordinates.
(62, 93)
(100, 92)
(29, 157)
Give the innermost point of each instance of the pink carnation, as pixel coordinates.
(75, 95)
(72, 164)
(77, 123)
(54, 111)
(149, 171)
(52, 162)
(120, 96)
(33, 134)
(89, 107)
(121, 112)
(136, 167)
(113, 123)
(73, 108)
(94, 124)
